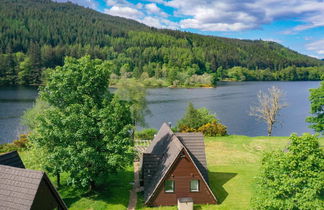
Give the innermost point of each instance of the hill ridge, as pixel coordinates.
(47, 31)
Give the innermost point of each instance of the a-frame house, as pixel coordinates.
(174, 167)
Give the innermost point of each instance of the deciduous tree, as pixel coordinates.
(268, 107)
(293, 178)
(317, 109)
(86, 130)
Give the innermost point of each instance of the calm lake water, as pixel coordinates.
(230, 102)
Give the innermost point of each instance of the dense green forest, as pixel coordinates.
(38, 34)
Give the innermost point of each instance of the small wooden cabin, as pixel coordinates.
(174, 167)
(21, 188)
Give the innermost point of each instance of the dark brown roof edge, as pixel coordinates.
(17, 156)
(168, 170)
(162, 178)
(200, 174)
(7, 153)
(54, 191)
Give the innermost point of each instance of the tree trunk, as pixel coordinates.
(58, 179)
(270, 129)
(92, 185)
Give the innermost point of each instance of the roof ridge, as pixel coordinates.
(6, 153)
(179, 144)
(22, 169)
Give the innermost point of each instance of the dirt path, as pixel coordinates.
(133, 193)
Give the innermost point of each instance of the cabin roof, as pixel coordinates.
(165, 149)
(18, 187)
(167, 146)
(194, 142)
(11, 159)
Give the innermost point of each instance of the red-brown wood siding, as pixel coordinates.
(44, 198)
(182, 172)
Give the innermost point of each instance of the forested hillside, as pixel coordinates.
(38, 34)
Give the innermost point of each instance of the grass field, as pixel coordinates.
(233, 163)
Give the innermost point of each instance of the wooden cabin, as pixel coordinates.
(174, 168)
(21, 188)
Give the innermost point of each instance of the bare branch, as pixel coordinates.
(268, 106)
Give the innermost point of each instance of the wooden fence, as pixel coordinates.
(140, 146)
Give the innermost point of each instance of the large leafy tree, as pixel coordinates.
(85, 129)
(317, 109)
(293, 178)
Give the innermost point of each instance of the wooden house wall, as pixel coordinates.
(182, 172)
(44, 198)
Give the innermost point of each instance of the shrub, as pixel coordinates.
(213, 129)
(19, 144)
(293, 178)
(145, 134)
(201, 120)
(194, 118)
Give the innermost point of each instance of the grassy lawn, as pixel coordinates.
(233, 163)
(113, 195)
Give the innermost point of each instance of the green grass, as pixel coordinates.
(233, 163)
(113, 195)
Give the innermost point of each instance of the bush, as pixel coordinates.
(194, 118)
(293, 178)
(152, 82)
(213, 129)
(145, 134)
(200, 120)
(19, 144)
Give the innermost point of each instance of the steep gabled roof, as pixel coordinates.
(194, 142)
(166, 147)
(18, 187)
(11, 159)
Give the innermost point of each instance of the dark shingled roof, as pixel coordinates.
(194, 142)
(165, 145)
(11, 159)
(164, 150)
(18, 187)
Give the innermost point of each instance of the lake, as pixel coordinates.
(230, 101)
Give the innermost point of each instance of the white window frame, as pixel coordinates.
(197, 189)
(173, 183)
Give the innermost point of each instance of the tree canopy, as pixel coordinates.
(317, 108)
(38, 34)
(292, 179)
(85, 130)
(200, 120)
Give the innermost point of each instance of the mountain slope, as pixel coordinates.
(46, 31)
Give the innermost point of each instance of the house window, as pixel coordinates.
(169, 186)
(194, 185)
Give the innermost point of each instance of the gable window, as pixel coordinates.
(194, 185)
(169, 186)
